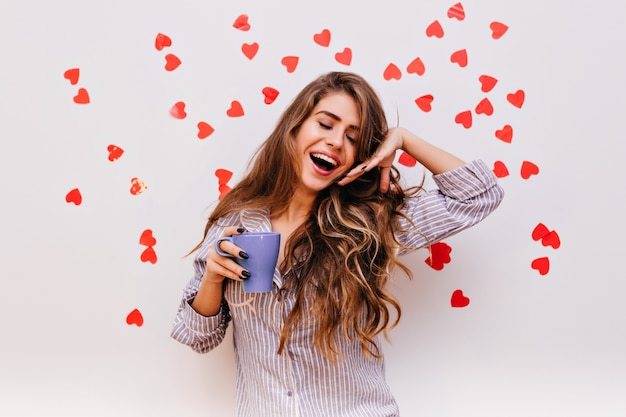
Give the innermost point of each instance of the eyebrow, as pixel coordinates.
(337, 118)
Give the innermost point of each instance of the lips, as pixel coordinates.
(324, 162)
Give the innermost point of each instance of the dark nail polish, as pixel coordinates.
(243, 254)
(363, 167)
(241, 230)
(245, 274)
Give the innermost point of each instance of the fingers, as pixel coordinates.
(219, 267)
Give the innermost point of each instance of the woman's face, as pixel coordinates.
(326, 142)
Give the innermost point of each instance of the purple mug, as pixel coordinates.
(262, 249)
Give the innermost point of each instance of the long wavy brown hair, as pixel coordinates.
(338, 262)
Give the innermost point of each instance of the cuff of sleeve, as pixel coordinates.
(467, 181)
(197, 322)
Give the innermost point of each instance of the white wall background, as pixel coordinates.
(527, 344)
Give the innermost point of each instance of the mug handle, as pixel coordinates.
(217, 246)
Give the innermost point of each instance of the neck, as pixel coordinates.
(298, 209)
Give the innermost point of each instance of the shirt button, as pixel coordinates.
(289, 393)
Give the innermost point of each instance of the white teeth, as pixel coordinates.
(325, 158)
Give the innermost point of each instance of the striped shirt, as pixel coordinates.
(302, 382)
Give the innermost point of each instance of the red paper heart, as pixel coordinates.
(456, 12)
(407, 160)
(162, 41)
(322, 38)
(500, 170)
(146, 238)
(223, 176)
(434, 29)
(114, 152)
(204, 130)
(487, 83)
(250, 49)
(134, 317)
(137, 186)
(505, 134)
(459, 57)
(517, 98)
(223, 189)
(270, 94)
(72, 75)
(392, 72)
(241, 23)
(484, 107)
(82, 97)
(464, 118)
(424, 102)
(458, 300)
(439, 255)
(171, 62)
(235, 109)
(178, 110)
(290, 62)
(541, 264)
(344, 57)
(539, 231)
(149, 255)
(74, 196)
(416, 67)
(529, 169)
(551, 239)
(498, 29)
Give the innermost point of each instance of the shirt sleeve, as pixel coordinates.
(199, 332)
(464, 197)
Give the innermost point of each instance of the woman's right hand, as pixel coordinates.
(219, 267)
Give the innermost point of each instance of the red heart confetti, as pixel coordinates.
(250, 49)
(407, 160)
(171, 62)
(434, 29)
(322, 38)
(529, 169)
(134, 317)
(270, 94)
(392, 72)
(439, 255)
(416, 67)
(149, 255)
(344, 57)
(464, 118)
(72, 75)
(146, 238)
(241, 23)
(115, 152)
(223, 176)
(484, 107)
(498, 29)
(551, 239)
(74, 196)
(235, 109)
(456, 12)
(162, 41)
(137, 186)
(500, 170)
(539, 231)
(178, 110)
(223, 189)
(204, 130)
(82, 97)
(542, 265)
(458, 300)
(459, 57)
(424, 102)
(487, 83)
(517, 98)
(505, 134)
(290, 63)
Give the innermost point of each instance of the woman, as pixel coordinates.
(324, 180)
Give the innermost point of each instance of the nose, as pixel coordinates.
(335, 139)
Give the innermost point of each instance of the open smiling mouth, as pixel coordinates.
(323, 162)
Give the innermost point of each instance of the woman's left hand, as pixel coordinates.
(382, 158)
